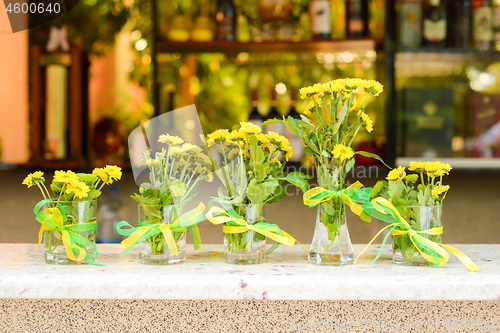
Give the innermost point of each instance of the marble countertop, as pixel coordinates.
(287, 275)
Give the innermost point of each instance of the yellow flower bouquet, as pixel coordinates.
(419, 205)
(247, 163)
(68, 215)
(331, 122)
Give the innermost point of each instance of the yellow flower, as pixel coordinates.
(368, 122)
(262, 138)
(417, 166)
(373, 87)
(80, 189)
(249, 128)
(397, 173)
(37, 175)
(33, 178)
(440, 189)
(218, 136)
(28, 180)
(437, 168)
(170, 140)
(310, 108)
(113, 171)
(289, 152)
(342, 152)
(99, 172)
(65, 176)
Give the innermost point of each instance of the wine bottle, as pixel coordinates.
(321, 19)
(357, 18)
(294, 139)
(461, 19)
(274, 114)
(255, 117)
(434, 27)
(410, 23)
(496, 24)
(226, 20)
(482, 25)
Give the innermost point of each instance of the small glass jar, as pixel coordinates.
(247, 247)
(420, 218)
(154, 250)
(76, 212)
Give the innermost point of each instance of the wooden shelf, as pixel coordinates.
(351, 45)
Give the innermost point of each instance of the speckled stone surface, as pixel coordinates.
(287, 275)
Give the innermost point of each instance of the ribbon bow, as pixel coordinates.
(75, 245)
(144, 231)
(350, 196)
(433, 252)
(235, 224)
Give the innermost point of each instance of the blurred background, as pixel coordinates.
(72, 90)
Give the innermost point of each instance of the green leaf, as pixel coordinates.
(298, 179)
(340, 119)
(261, 171)
(328, 208)
(349, 165)
(308, 151)
(325, 153)
(375, 156)
(306, 120)
(258, 192)
(272, 121)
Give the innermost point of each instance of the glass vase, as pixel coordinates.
(154, 250)
(331, 244)
(420, 218)
(247, 247)
(76, 212)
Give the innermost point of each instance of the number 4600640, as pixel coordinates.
(33, 8)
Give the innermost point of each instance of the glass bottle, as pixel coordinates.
(226, 20)
(461, 11)
(410, 24)
(255, 117)
(434, 24)
(357, 18)
(274, 114)
(321, 19)
(295, 141)
(482, 25)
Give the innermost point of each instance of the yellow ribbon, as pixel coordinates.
(266, 229)
(415, 237)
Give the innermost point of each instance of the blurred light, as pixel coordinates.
(189, 124)
(487, 79)
(346, 57)
(329, 58)
(329, 66)
(146, 59)
(325, 78)
(183, 70)
(129, 67)
(135, 35)
(371, 55)
(141, 44)
(227, 81)
(242, 57)
(281, 88)
(457, 143)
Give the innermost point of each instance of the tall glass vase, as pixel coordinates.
(331, 244)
